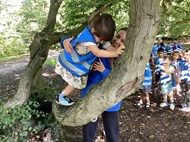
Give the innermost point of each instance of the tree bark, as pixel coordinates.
(38, 54)
(126, 76)
(39, 51)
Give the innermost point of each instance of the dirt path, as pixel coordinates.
(136, 125)
(15, 65)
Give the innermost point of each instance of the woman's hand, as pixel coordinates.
(67, 45)
(98, 66)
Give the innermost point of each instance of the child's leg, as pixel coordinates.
(165, 97)
(188, 96)
(63, 99)
(68, 90)
(184, 90)
(165, 94)
(147, 101)
(140, 103)
(147, 98)
(172, 106)
(178, 89)
(165, 102)
(171, 97)
(187, 108)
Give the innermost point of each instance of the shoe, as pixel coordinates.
(184, 105)
(140, 105)
(172, 106)
(187, 109)
(164, 104)
(183, 109)
(147, 106)
(64, 100)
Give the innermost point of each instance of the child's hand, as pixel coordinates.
(98, 66)
(67, 45)
(164, 73)
(120, 50)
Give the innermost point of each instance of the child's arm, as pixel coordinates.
(111, 48)
(104, 53)
(170, 70)
(67, 44)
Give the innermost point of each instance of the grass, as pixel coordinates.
(6, 58)
(51, 61)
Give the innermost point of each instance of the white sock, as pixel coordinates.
(62, 93)
(141, 102)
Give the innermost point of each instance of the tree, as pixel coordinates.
(128, 73)
(175, 18)
(33, 17)
(144, 21)
(38, 53)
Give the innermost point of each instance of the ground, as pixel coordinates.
(136, 125)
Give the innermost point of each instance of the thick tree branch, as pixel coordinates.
(127, 75)
(38, 54)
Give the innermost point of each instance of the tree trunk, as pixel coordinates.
(126, 76)
(38, 81)
(39, 50)
(38, 54)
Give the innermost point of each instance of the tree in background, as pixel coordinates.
(33, 16)
(130, 65)
(175, 18)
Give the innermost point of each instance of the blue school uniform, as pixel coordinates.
(184, 75)
(155, 49)
(73, 62)
(147, 76)
(166, 81)
(176, 67)
(158, 63)
(95, 77)
(179, 47)
(169, 49)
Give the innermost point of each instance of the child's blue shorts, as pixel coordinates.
(166, 88)
(146, 89)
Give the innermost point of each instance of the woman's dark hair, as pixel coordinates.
(104, 27)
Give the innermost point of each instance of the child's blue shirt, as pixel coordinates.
(147, 76)
(165, 78)
(155, 49)
(184, 75)
(158, 63)
(170, 49)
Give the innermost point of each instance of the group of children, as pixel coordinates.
(170, 75)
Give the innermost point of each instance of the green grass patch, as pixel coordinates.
(6, 58)
(51, 61)
(186, 46)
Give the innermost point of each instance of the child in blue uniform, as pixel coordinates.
(184, 82)
(146, 87)
(175, 63)
(74, 67)
(166, 83)
(158, 62)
